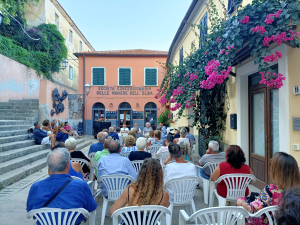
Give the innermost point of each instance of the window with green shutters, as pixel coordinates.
(98, 76)
(151, 77)
(125, 76)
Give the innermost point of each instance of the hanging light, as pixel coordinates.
(65, 63)
(87, 88)
(1, 17)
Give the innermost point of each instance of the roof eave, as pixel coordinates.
(120, 55)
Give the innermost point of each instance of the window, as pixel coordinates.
(181, 55)
(70, 72)
(71, 36)
(80, 46)
(203, 30)
(98, 76)
(57, 21)
(125, 76)
(150, 77)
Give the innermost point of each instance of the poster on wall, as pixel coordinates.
(127, 117)
(121, 116)
(138, 115)
(111, 115)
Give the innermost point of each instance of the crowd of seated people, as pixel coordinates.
(148, 186)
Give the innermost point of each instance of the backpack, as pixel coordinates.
(30, 133)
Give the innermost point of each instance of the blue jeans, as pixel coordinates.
(202, 174)
(61, 137)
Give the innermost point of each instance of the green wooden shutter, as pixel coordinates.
(124, 76)
(151, 77)
(98, 76)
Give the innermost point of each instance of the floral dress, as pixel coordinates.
(269, 196)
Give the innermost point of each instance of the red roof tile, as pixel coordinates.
(127, 52)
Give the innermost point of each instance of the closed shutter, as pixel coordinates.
(124, 76)
(181, 55)
(203, 30)
(98, 76)
(151, 77)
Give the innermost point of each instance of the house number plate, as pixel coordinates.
(296, 90)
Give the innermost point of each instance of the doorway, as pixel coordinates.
(263, 127)
(151, 114)
(98, 111)
(125, 115)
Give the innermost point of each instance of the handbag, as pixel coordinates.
(253, 196)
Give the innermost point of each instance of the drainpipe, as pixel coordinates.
(83, 108)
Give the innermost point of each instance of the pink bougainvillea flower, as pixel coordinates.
(269, 19)
(219, 39)
(169, 116)
(226, 53)
(245, 19)
(273, 80)
(232, 47)
(259, 28)
(189, 125)
(228, 47)
(178, 75)
(273, 57)
(222, 51)
(206, 53)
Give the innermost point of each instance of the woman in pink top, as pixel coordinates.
(71, 131)
(234, 163)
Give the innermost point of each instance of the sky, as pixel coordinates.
(127, 24)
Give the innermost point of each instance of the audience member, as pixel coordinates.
(48, 128)
(147, 190)
(71, 146)
(289, 208)
(140, 154)
(113, 134)
(188, 135)
(121, 138)
(98, 146)
(169, 140)
(234, 163)
(186, 151)
(115, 128)
(212, 156)
(71, 130)
(284, 174)
(114, 164)
(62, 134)
(147, 129)
(180, 168)
(177, 135)
(129, 142)
(124, 129)
(138, 134)
(132, 133)
(104, 152)
(163, 129)
(151, 136)
(42, 137)
(137, 127)
(158, 140)
(106, 131)
(76, 193)
(183, 133)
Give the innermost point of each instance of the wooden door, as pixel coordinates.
(125, 117)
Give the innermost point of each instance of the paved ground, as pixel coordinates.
(13, 200)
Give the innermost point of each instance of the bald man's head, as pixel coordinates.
(101, 137)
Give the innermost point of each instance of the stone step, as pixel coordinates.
(13, 154)
(18, 111)
(16, 145)
(12, 122)
(10, 165)
(14, 127)
(12, 105)
(22, 172)
(83, 145)
(13, 133)
(29, 120)
(25, 100)
(9, 139)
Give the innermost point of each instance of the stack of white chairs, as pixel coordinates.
(141, 215)
(207, 183)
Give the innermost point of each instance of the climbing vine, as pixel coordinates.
(199, 82)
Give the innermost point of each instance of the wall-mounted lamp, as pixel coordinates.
(137, 104)
(111, 105)
(87, 88)
(64, 64)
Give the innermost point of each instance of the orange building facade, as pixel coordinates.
(123, 86)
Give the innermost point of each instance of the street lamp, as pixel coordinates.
(1, 17)
(64, 64)
(87, 88)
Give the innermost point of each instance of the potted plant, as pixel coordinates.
(165, 117)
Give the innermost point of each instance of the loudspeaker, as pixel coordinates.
(233, 122)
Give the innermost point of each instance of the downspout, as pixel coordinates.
(83, 108)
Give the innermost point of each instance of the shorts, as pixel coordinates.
(46, 141)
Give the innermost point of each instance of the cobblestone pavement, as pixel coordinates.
(13, 199)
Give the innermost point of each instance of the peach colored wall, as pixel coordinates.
(17, 81)
(46, 91)
(111, 64)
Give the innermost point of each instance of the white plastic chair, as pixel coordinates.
(94, 167)
(193, 143)
(81, 161)
(153, 149)
(163, 156)
(137, 164)
(140, 215)
(226, 215)
(115, 186)
(207, 183)
(126, 154)
(266, 211)
(92, 155)
(55, 216)
(236, 187)
(183, 192)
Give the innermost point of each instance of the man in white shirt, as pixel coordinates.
(180, 168)
(124, 129)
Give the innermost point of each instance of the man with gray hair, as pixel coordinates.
(75, 193)
(113, 134)
(138, 135)
(114, 164)
(140, 154)
(147, 129)
(212, 156)
(98, 146)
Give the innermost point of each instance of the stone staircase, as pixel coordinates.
(20, 157)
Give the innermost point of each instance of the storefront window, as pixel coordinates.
(98, 111)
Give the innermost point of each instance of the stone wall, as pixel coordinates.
(75, 110)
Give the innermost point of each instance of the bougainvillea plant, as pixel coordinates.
(199, 82)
